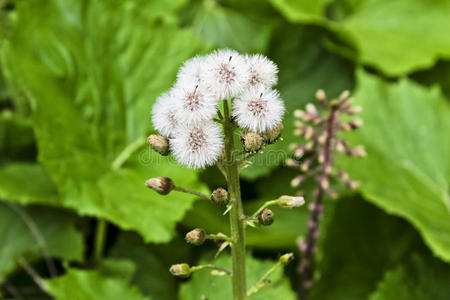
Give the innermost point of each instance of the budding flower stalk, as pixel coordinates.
(321, 135)
(215, 98)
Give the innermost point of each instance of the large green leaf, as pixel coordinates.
(387, 33)
(27, 183)
(302, 11)
(203, 285)
(407, 168)
(91, 73)
(422, 278)
(90, 285)
(30, 232)
(227, 27)
(359, 243)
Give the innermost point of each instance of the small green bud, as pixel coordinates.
(196, 237)
(220, 197)
(180, 270)
(252, 141)
(161, 185)
(159, 143)
(266, 217)
(286, 258)
(272, 135)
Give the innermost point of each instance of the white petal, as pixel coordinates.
(163, 115)
(190, 72)
(262, 70)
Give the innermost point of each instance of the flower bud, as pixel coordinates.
(180, 270)
(290, 202)
(252, 141)
(344, 95)
(159, 143)
(220, 196)
(286, 258)
(320, 96)
(196, 237)
(272, 135)
(358, 151)
(291, 163)
(161, 185)
(297, 181)
(356, 123)
(266, 217)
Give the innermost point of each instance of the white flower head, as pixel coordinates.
(163, 115)
(197, 146)
(258, 109)
(193, 104)
(190, 72)
(226, 73)
(262, 70)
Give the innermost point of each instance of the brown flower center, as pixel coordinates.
(258, 107)
(226, 74)
(197, 139)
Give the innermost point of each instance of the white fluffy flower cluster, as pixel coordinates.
(185, 114)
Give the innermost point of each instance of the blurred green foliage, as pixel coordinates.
(79, 78)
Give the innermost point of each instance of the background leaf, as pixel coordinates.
(358, 244)
(407, 168)
(421, 278)
(25, 231)
(100, 110)
(87, 285)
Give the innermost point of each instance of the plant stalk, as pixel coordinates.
(236, 212)
(306, 267)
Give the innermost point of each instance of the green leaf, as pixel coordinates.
(359, 243)
(386, 33)
(152, 271)
(302, 11)
(91, 75)
(422, 278)
(90, 285)
(204, 285)
(407, 168)
(123, 269)
(27, 183)
(26, 231)
(226, 27)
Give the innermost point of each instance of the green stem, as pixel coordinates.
(209, 266)
(265, 205)
(236, 212)
(100, 239)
